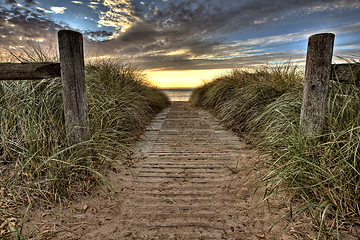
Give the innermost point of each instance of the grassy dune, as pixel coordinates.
(36, 165)
(324, 175)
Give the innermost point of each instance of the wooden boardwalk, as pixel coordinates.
(190, 180)
(185, 183)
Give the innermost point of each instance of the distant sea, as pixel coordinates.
(179, 94)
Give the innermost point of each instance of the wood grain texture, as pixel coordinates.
(316, 83)
(74, 86)
(346, 72)
(29, 71)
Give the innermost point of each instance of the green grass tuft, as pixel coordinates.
(35, 163)
(325, 175)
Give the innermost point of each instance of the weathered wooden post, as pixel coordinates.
(316, 83)
(74, 86)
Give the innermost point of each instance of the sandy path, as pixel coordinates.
(182, 183)
(191, 180)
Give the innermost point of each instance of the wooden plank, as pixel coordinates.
(29, 71)
(316, 83)
(74, 86)
(347, 72)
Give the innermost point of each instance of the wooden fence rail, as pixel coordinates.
(346, 72)
(29, 71)
(72, 71)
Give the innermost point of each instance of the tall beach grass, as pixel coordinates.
(37, 167)
(323, 175)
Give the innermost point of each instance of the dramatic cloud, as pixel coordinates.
(191, 34)
(97, 34)
(10, 1)
(187, 34)
(21, 27)
(27, 2)
(121, 14)
(58, 10)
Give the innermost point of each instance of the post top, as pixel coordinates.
(322, 35)
(68, 32)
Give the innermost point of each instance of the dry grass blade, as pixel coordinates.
(35, 163)
(325, 175)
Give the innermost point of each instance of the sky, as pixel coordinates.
(182, 43)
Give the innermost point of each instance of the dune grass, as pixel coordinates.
(37, 167)
(324, 175)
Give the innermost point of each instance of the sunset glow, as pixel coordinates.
(180, 43)
(184, 79)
